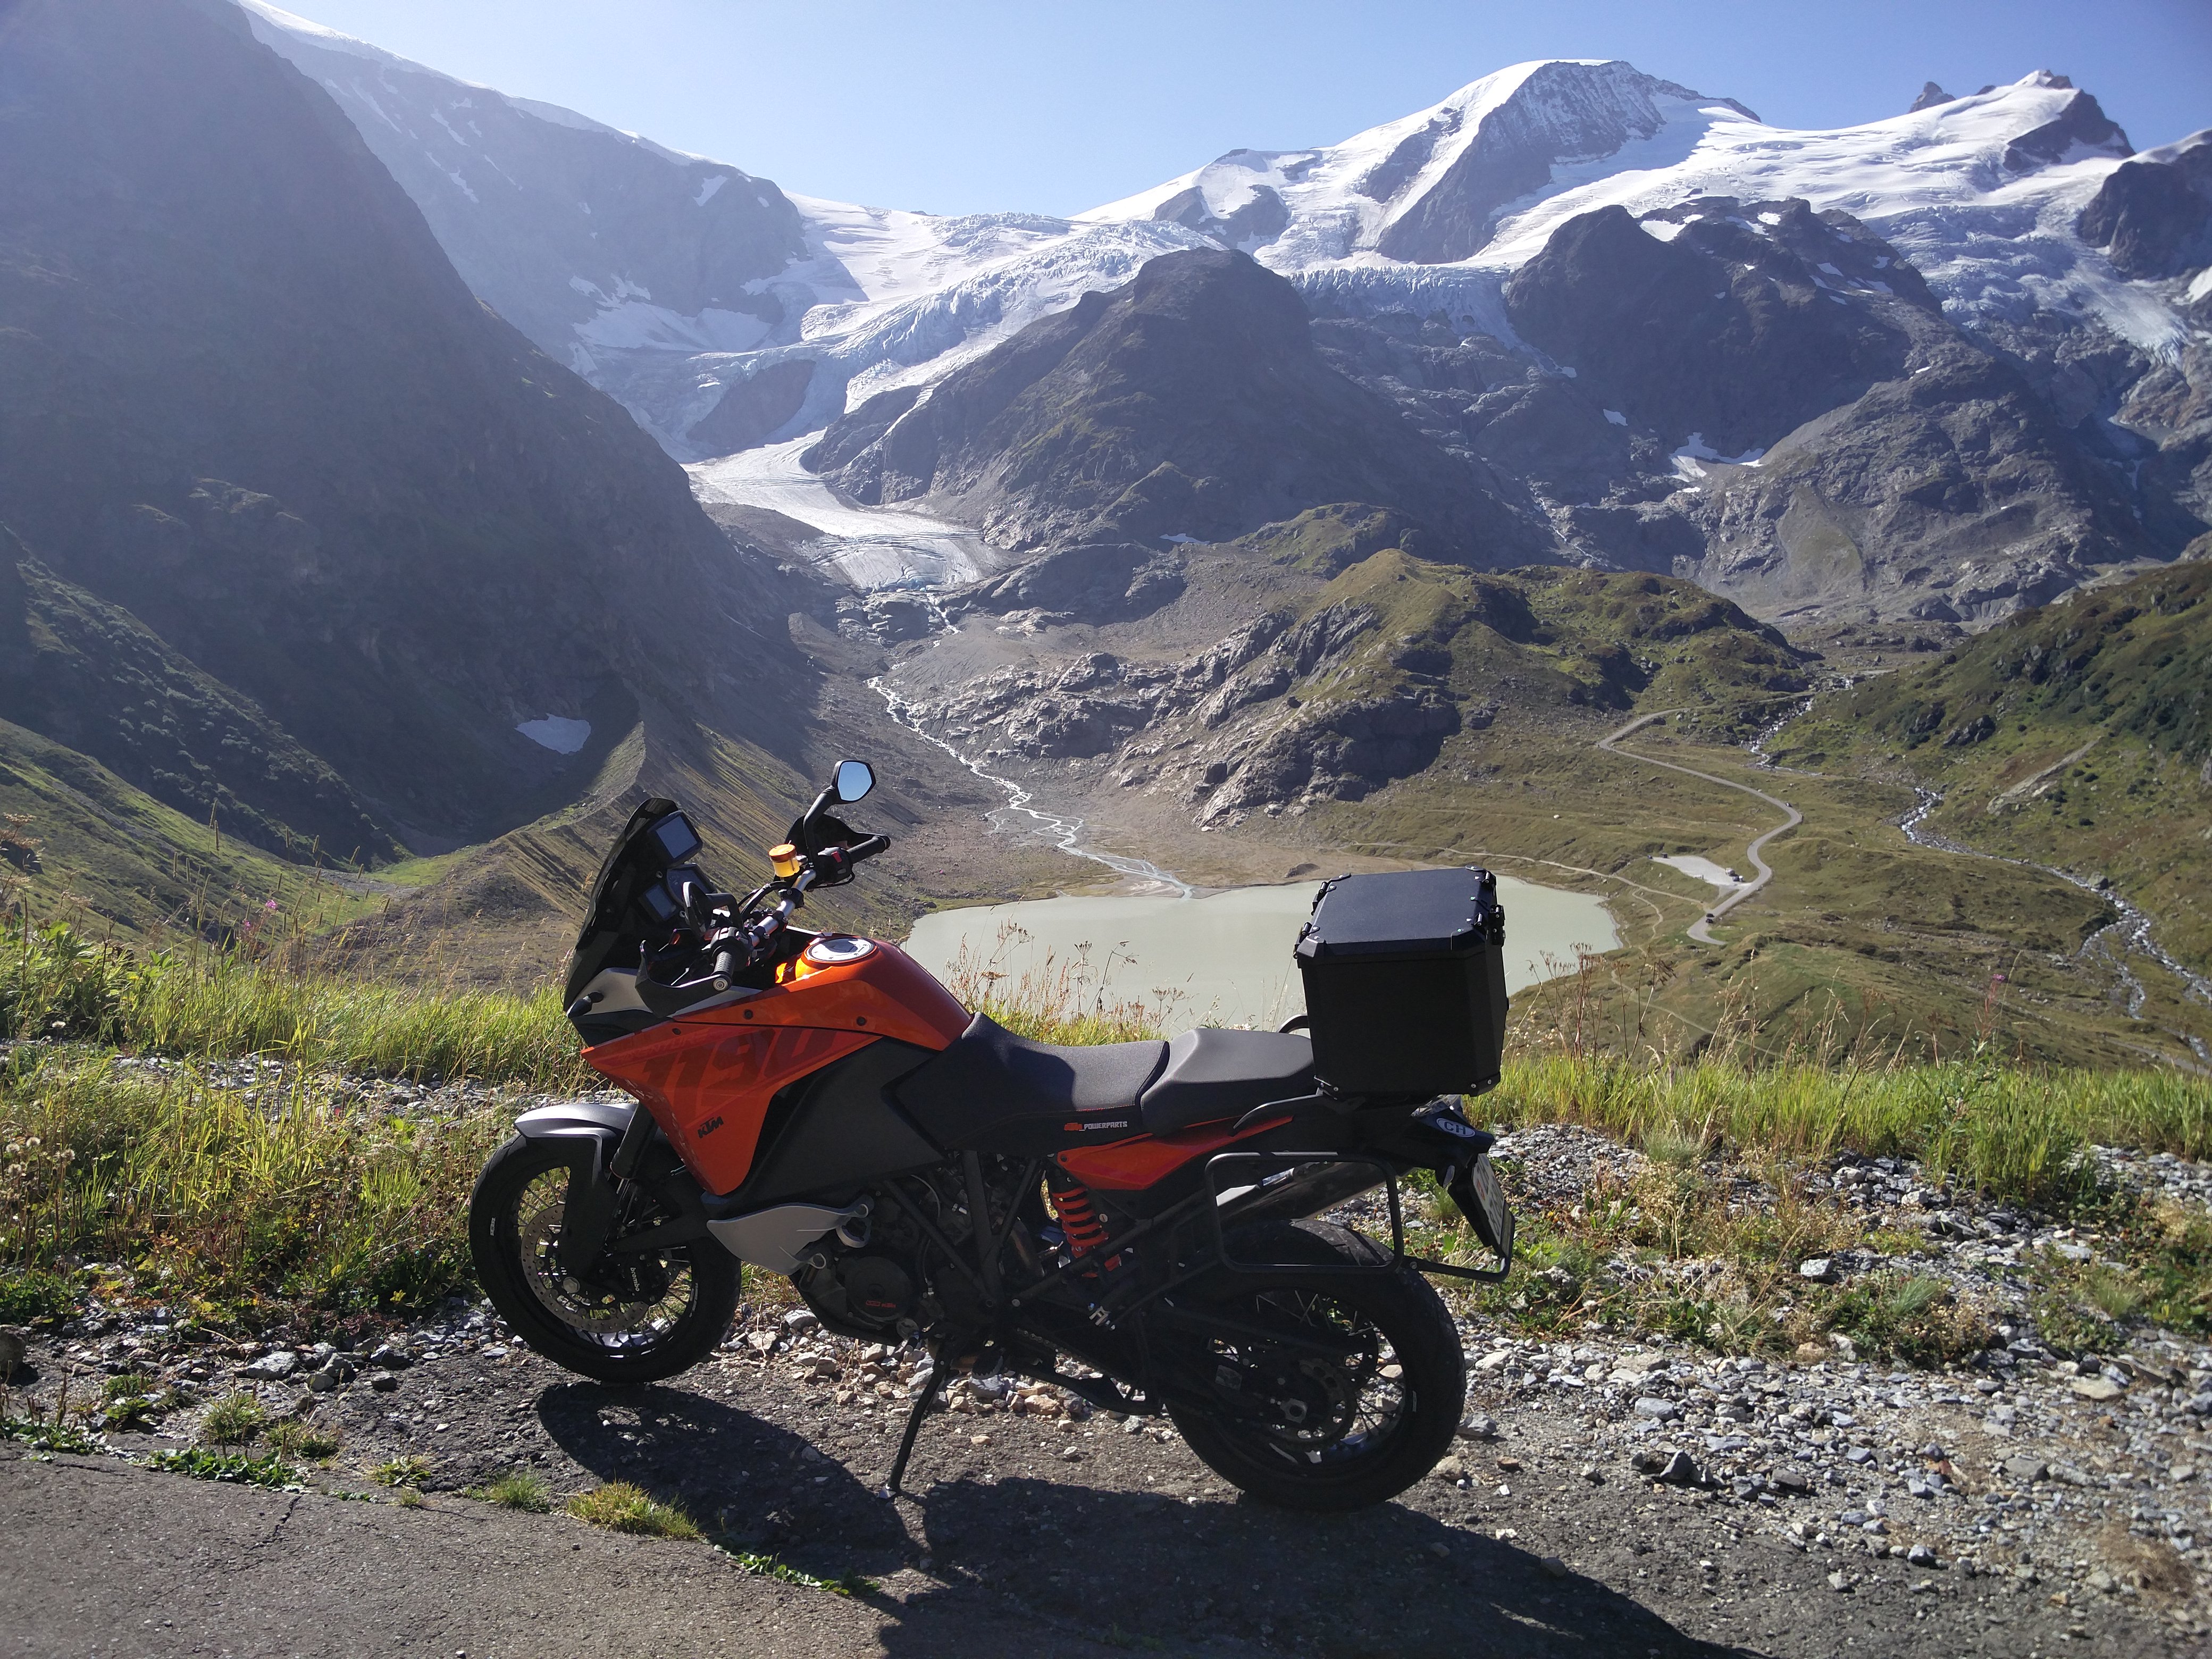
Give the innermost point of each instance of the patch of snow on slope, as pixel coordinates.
(562, 736)
(1702, 869)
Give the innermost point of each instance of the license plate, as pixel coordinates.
(1491, 1216)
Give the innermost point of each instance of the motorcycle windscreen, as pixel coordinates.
(616, 918)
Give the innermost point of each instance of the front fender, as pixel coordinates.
(589, 1119)
(589, 1217)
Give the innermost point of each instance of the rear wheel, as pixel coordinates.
(1359, 1399)
(639, 1318)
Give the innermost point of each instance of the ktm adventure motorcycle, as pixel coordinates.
(1132, 1222)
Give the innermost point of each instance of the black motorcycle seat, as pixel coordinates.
(989, 1080)
(1212, 1075)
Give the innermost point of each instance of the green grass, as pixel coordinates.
(1909, 1317)
(2077, 734)
(129, 1400)
(239, 1468)
(32, 1293)
(236, 1419)
(301, 1206)
(293, 1438)
(205, 1004)
(518, 1489)
(1668, 1253)
(2154, 1266)
(620, 1506)
(766, 1566)
(295, 1205)
(402, 1472)
(2012, 1133)
(49, 1434)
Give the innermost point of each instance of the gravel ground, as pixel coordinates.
(1608, 1494)
(1800, 1531)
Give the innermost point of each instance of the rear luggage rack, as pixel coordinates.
(1258, 1164)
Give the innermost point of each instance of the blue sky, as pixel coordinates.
(976, 106)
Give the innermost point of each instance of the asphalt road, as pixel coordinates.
(102, 1558)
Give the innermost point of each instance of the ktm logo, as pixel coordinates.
(1101, 1123)
(709, 1126)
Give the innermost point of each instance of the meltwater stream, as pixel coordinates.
(1064, 833)
(878, 549)
(2131, 932)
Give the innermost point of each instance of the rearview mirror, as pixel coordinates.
(853, 781)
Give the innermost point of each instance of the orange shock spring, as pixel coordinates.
(1079, 1221)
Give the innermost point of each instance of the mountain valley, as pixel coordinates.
(1313, 508)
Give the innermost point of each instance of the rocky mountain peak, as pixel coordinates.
(1515, 129)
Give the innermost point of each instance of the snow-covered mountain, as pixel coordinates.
(678, 282)
(2009, 224)
(1435, 210)
(1426, 189)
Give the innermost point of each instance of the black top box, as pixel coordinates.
(1405, 982)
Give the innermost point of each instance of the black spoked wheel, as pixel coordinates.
(1333, 1395)
(640, 1317)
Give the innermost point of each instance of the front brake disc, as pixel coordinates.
(582, 1307)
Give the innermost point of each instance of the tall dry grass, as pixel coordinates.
(1067, 999)
(203, 1003)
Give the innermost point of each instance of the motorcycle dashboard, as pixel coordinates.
(658, 904)
(675, 838)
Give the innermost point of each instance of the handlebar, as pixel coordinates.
(738, 947)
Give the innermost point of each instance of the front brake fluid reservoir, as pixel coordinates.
(783, 858)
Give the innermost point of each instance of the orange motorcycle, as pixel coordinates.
(1133, 1222)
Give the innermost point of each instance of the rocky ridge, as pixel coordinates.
(1365, 662)
(1189, 403)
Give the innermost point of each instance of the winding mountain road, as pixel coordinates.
(1701, 930)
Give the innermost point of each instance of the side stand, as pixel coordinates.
(921, 1406)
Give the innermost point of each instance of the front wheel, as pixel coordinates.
(1358, 1400)
(642, 1316)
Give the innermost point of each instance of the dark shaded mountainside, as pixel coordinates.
(553, 219)
(2077, 736)
(298, 532)
(295, 534)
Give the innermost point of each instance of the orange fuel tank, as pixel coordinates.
(707, 1077)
